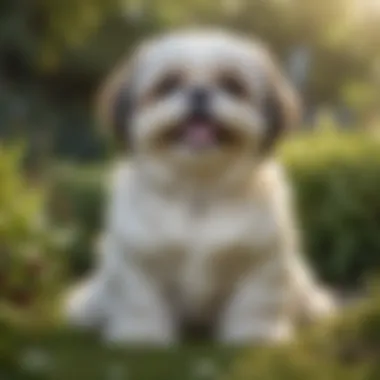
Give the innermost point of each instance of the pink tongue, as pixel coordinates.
(200, 134)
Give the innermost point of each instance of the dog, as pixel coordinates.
(199, 230)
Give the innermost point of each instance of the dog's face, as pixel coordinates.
(196, 98)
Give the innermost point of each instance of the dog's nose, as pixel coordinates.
(200, 99)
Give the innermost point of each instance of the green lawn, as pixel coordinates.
(62, 355)
(347, 348)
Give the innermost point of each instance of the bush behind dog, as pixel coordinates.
(336, 180)
(337, 186)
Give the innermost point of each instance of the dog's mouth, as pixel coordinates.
(201, 133)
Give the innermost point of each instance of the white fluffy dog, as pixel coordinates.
(199, 228)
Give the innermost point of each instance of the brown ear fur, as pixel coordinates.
(282, 107)
(114, 104)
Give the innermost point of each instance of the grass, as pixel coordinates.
(63, 354)
(346, 348)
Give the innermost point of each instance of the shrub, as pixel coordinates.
(29, 266)
(336, 178)
(337, 190)
(77, 203)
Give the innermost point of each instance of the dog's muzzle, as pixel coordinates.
(200, 130)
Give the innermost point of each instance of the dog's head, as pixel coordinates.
(197, 97)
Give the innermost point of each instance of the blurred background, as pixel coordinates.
(54, 54)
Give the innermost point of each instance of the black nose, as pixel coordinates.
(200, 99)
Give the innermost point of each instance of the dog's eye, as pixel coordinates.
(167, 85)
(233, 86)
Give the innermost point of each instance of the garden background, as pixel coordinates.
(54, 54)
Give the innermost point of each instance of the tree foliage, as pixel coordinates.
(54, 53)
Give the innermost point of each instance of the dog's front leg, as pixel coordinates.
(120, 300)
(257, 311)
(136, 312)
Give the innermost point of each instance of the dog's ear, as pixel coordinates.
(115, 105)
(282, 108)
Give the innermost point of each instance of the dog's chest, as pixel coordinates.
(183, 231)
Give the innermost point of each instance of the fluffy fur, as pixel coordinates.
(199, 230)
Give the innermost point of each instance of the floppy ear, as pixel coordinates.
(282, 108)
(114, 105)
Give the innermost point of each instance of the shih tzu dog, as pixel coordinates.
(199, 230)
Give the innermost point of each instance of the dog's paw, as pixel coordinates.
(317, 306)
(257, 332)
(82, 307)
(133, 332)
(321, 304)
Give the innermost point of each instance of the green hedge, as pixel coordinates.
(76, 202)
(336, 178)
